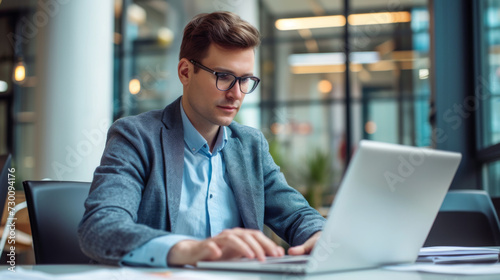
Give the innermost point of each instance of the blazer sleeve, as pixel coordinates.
(287, 212)
(109, 228)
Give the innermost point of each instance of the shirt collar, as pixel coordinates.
(195, 142)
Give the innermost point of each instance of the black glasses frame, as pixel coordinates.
(236, 78)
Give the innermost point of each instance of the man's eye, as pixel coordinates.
(225, 77)
(245, 79)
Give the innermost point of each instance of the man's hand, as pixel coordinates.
(305, 248)
(231, 243)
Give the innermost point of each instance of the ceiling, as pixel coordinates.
(331, 39)
(285, 8)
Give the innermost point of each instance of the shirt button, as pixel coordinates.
(193, 149)
(211, 195)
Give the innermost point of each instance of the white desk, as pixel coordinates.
(378, 274)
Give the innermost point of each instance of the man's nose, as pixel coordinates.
(235, 91)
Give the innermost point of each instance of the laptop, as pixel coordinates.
(381, 214)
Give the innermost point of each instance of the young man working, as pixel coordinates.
(186, 183)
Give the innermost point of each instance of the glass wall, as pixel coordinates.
(490, 80)
(17, 84)
(148, 35)
(6, 85)
(147, 41)
(300, 103)
(303, 89)
(488, 93)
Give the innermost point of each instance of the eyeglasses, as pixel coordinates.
(225, 81)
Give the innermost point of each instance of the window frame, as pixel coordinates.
(485, 154)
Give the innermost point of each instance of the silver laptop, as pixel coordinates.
(381, 214)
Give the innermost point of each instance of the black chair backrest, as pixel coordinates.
(4, 180)
(55, 209)
(466, 218)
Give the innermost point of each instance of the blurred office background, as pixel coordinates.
(418, 72)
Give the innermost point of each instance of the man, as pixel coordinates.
(186, 183)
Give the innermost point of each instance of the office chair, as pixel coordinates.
(466, 218)
(55, 209)
(496, 204)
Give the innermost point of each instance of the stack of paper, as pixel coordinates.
(454, 255)
(457, 269)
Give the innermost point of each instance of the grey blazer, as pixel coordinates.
(136, 190)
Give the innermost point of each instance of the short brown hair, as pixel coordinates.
(225, 29)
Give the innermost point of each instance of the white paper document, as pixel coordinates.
(458, 255)
(98, 274)
(454, 260)
(456, 250)
(118, 273)
(458, 269)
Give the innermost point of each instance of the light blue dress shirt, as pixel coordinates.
(207, 204)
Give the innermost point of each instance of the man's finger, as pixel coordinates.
(233, 246)
(209, 251)
(255, 246)
(305, 248)
(297, 250)
(270, 248)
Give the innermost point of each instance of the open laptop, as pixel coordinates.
(381, 214)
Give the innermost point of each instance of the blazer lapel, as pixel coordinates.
(244, 193)
(173, 154)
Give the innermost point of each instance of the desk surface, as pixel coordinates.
(361, 274)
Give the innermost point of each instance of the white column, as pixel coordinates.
(73, 103)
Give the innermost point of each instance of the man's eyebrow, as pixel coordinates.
(225, 70)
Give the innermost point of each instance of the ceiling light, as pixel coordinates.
(305, 59)
(423, 74)
(339, 20)
(324, 86)
(337, 58)
(309, 22)
(165, 36)
(19, 72)
(355, 67)
(383, 65)
(3, 86)
(314, 69)
(134, 86)
(136, 14)
(379, 18)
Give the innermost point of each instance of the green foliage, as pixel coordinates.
(318, 168)
(315, 176)
(318, 172)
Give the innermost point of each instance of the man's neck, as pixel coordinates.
(211, 137)
(208, 131)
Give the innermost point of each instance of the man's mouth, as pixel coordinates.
(228, 108)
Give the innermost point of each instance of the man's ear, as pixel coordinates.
(184, 71)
